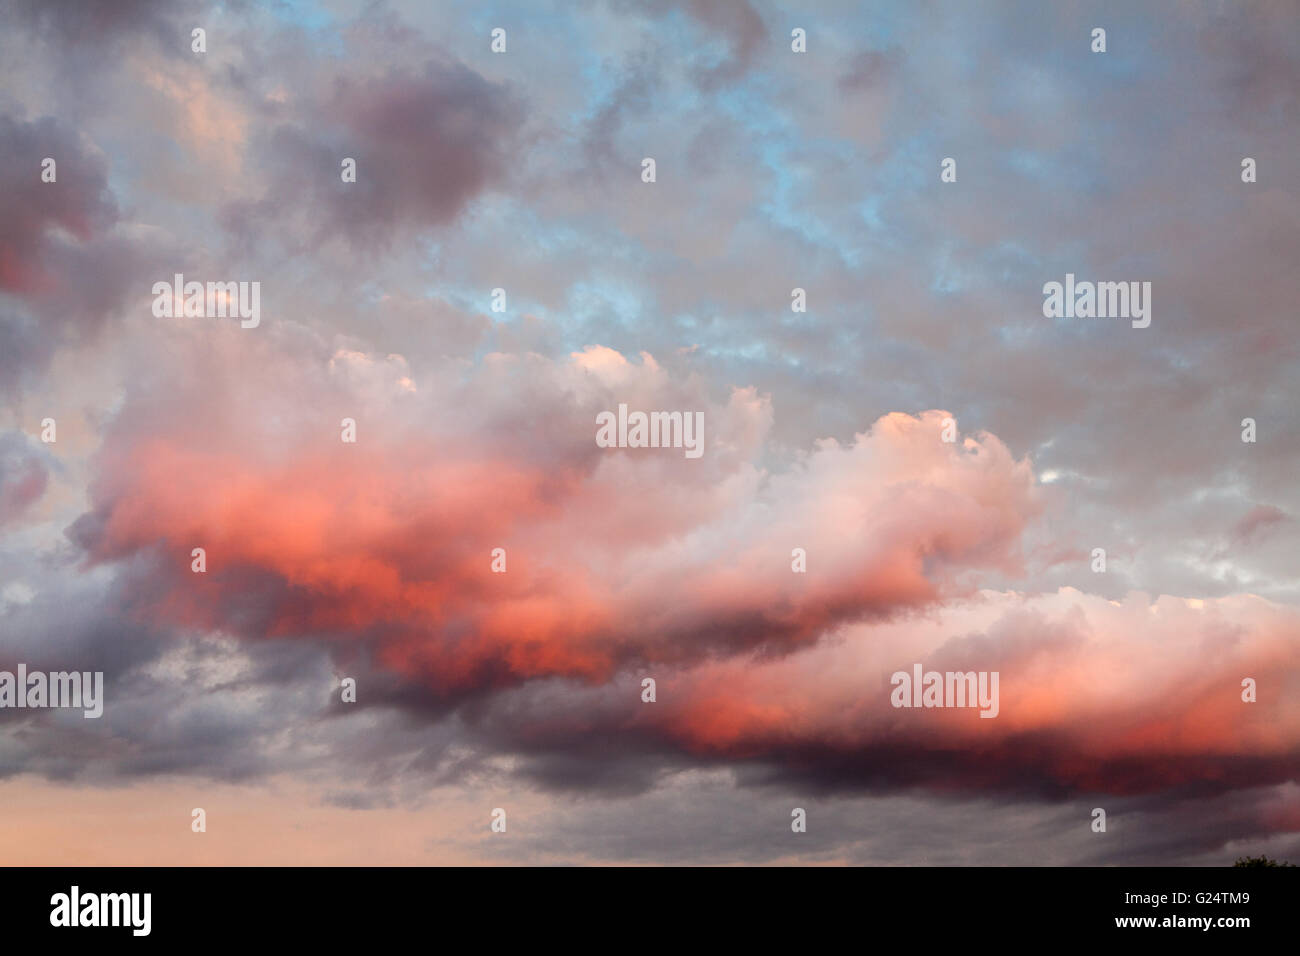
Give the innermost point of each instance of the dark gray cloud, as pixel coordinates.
(92, 26)
(425, 145)
(703, 816)
(62, 272)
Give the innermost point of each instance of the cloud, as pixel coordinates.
(87, 26)
(41, 218)
(59, 260)
(624, 562)
(615, 556)
(1258, 521)
(23, 477)
(1134, 697)
(425, 144)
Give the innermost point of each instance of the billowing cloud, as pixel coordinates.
(623, 562)
(1138, 696)
(614, 556)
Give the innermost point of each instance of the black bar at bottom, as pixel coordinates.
(648, 906)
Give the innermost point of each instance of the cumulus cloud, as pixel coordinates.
(380, 551)
(615, 556)
(1130, 697)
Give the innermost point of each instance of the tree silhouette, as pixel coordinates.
(1259, 861)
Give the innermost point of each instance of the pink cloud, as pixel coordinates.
(614, 555)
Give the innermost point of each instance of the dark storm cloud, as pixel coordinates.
(35, 215)
(173, 703)
(61, 268)
(425, 145)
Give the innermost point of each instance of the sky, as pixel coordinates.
(916, 468)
